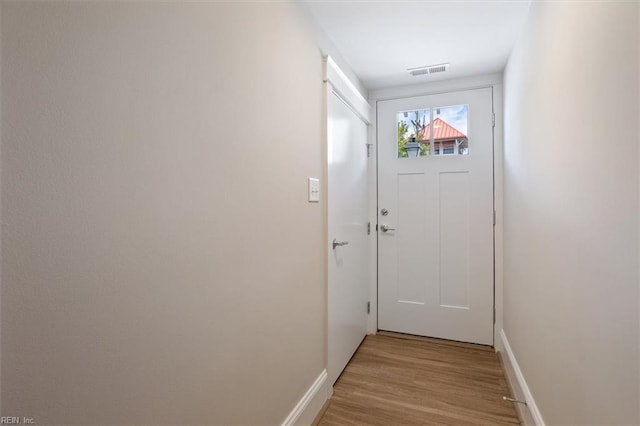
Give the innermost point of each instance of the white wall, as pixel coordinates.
(571, 210)
(160, 263)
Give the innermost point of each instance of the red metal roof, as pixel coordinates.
(443, 131)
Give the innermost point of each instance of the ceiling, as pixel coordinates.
(381, 39)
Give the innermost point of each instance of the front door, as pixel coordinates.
(435, 216)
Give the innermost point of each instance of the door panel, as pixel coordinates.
(454, 239)
(347, 205)
(411, 211)
(435, 263)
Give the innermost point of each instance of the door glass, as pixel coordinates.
(413, 140)
(449, 135)
(449, 130)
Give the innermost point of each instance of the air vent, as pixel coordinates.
(429, 69)
(418, 71)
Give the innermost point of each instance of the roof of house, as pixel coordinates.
(443, 131)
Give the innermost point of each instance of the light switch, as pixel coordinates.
(314, 190)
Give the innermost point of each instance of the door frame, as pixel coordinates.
(495, 82)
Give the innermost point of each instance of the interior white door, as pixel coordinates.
(347, 225)
(435, 216)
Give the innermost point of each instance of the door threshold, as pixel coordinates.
(437, 340)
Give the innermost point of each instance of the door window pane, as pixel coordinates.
(450, 130)
(412, 139)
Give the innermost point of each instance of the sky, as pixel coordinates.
(455, 116)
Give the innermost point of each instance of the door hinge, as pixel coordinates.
(493, 119)
(368, 228)
(494, 218)
(494, 315)
(369, 149)
(368, 307)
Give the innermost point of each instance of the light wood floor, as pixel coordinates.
(392, 381)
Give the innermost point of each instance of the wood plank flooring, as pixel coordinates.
(392, 381)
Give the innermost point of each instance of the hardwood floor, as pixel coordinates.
(392, 381)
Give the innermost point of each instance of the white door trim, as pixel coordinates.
(346, 90)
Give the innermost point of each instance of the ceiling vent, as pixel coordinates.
(429, 69)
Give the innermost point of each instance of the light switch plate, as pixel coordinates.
(314, 190)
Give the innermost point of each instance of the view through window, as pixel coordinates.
(433, 132)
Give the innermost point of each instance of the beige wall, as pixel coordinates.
(571, 210)
(160, 263)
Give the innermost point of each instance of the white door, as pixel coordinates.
(347, 205)
(435, 216)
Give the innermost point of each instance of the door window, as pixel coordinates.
(441, 131)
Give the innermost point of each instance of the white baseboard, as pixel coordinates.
(306, 410)
(530, 413)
